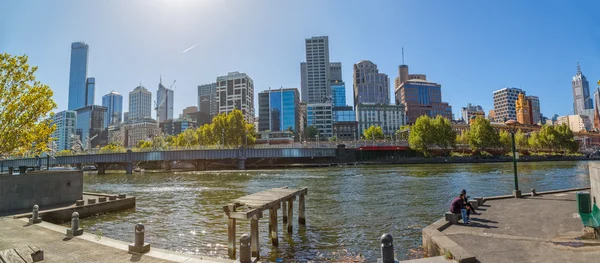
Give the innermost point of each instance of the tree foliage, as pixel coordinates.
(373, 133)
(554, 138)
(428, 132)
(311, 132)
(482, 135)
(25, 108)
(112, 148)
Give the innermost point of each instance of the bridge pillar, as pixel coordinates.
(241, 163)
(129, 168)
(101, 168)
(166, 165)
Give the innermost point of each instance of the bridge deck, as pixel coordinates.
(252, 207)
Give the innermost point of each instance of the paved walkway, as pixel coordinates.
(86, 248)
(532, 229)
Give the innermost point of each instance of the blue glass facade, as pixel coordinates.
(90, 89)
(283, 110)
(343, 115)
(114, 103)
(338, 94)
(78, 76)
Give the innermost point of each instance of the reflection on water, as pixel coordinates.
(347, 208)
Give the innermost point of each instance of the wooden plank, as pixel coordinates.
(246, 215)
(10, 256)
(25, 253)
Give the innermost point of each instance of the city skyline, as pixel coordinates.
(469, 66)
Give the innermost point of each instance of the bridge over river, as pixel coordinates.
(199, 158)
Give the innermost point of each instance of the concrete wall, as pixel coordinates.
(595, 181)
(44, 188)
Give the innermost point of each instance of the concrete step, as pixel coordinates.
(438, 259)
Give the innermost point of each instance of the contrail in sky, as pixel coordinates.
(190, 48)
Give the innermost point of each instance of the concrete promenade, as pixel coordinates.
(544, 228)
(86, 248)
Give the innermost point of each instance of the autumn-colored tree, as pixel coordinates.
(25, 108)
(112, 148)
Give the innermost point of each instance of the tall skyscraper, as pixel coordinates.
(581, 93)
(113, 102)
(65, 122)
(207, 99)
(536, 114)
(140, 103)
(90, 90)
(505, 104)
(335, 72)
(236, 91)
(597, 98)
(315, 78)
(420, 97)
(370, 86)
(279, 110)
(78, 76)
(164, 102)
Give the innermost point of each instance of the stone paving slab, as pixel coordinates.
(532, 229)
(86, 248)
(439, 259)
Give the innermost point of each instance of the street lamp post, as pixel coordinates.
(223, 137)
(512, 129)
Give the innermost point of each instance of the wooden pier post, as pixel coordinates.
(273, 224)
(231, 234)
(254, 236)
(290, 215)
(284, 212)
(301, 213)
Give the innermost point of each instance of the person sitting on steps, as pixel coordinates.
(457, 206)
(467, 205)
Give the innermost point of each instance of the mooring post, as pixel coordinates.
(254, 236)
(301, 213)
(35, 215)
(231, 233)
(245, 249)
(74, 230)
(273, 223)
(139, 244)
(284, 212)
(387, 249)
(290, 215)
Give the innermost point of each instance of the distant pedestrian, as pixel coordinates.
(457, 206)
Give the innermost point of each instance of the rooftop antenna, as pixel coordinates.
(402, 55)
(578, 68)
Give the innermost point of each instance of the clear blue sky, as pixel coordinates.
(470, 47)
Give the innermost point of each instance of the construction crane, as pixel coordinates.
(158, 106)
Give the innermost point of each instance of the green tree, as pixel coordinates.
(112, 148)
(187, 138)
(463, 138)
(25, 108)
(443, 134)
(142, 144)
(482, 135)
(402, 132)
(566, 139)
(505, 140)
(205, 135)
(421, 136)
(373, 133)
(521, 140)
(311, 132)
(64, 153)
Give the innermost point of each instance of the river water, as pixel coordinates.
(348, 208)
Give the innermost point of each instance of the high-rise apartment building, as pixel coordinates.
(315, 76)
(581, 93)
(576, 123)
(207, 99)
(236, 91)
(125, 116)
(140, 103)
(370, 86)
(535, 113)
(388, 117)
(65, 122)
(420, 97)
(113, 101)
(164, 103)
(335, 72)
(279, 110)
(523, 109)
(78, 76)
(471, 111)
(90, 123)
(505, 104)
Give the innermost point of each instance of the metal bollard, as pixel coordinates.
(387, 248)
(35, 215)
(74, 230)
(139, 246)
(245, 251)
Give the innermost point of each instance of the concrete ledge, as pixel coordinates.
(499, 197)
(73, 233)
(145, 248)
(63, 214)
(437, 243)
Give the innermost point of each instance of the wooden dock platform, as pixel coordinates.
(251, 208)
